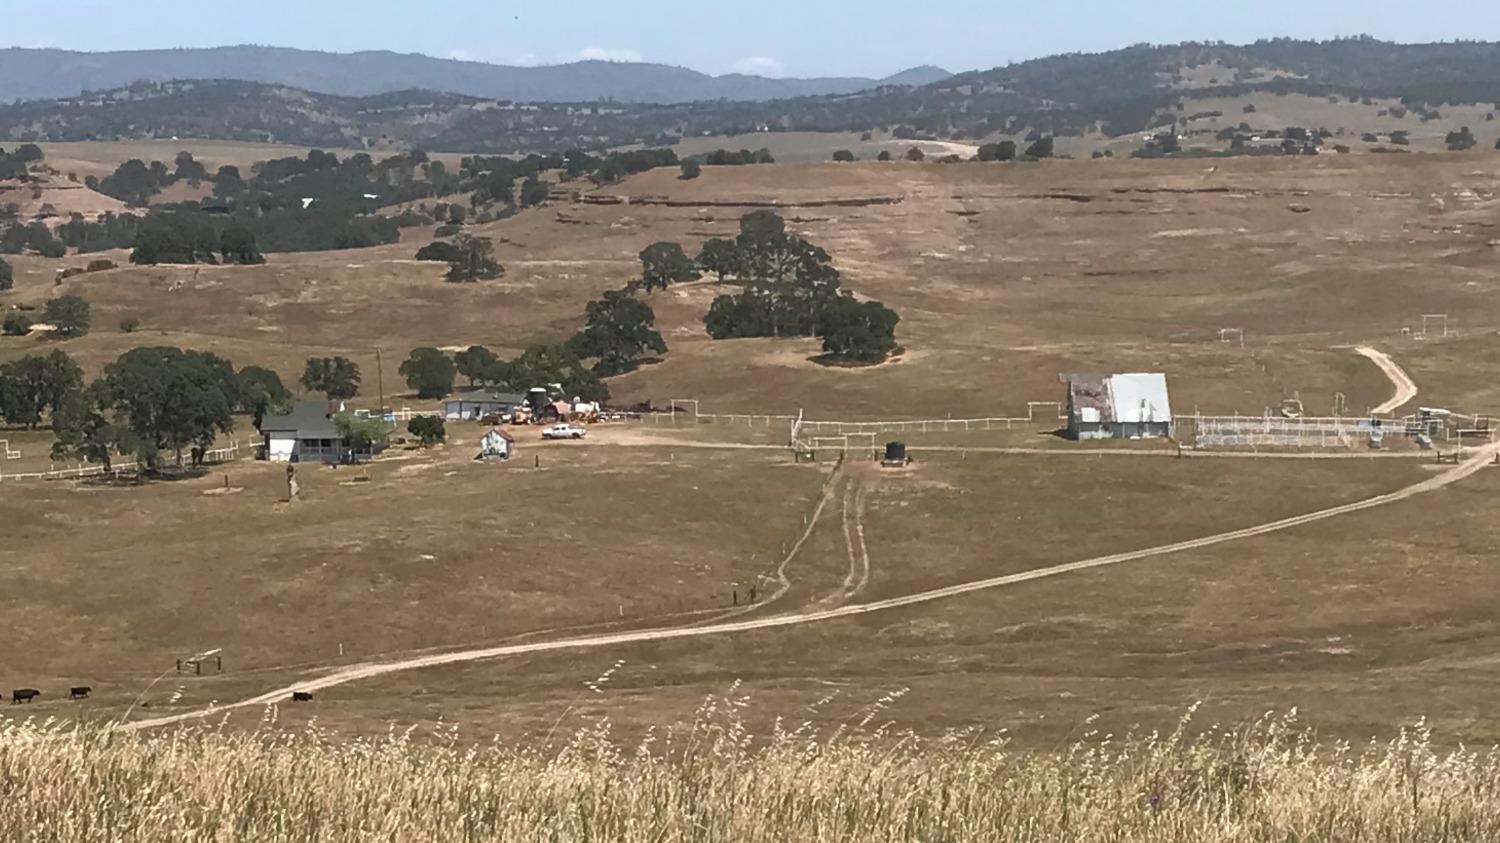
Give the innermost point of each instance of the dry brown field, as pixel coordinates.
(1005, 276)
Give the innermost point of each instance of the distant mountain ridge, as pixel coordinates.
(1113, 94)
(32, 74)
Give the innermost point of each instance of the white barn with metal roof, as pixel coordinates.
(1124, 406)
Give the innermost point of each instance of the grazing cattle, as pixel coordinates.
(79, 692)
(302, 696)
(24, 695)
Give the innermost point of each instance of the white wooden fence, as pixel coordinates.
(216, 456)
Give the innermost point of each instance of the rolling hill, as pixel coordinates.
(31, 74)
(1102, 95)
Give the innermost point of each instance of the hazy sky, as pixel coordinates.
(770, 37)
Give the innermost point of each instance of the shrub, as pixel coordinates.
(99, 265)
(843, 155)
(15, 325)
(439, 250)
(130, 324)
(691, 169)
(429, 430)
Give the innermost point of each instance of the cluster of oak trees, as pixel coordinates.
(788, 288)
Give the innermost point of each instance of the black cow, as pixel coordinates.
(24, 695)
(79, 692)
(302, 696)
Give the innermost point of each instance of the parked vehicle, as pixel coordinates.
(564, 431)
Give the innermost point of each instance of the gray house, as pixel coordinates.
(308, 434)
(1128, 406)
(480, 403)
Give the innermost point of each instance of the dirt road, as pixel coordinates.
(1406, 388)
(1478, 459)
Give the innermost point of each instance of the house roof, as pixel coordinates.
(488, 396)
(307, 420)
(502, 433)
(1131, 398)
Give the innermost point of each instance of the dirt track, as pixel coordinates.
(1406, 389)
(1480, 458)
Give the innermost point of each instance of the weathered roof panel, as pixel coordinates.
(1140, 398)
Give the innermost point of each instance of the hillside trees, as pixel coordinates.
(228, 182)
(533, 191)
(261, 392)
(35, 386)
(718, 256)
(82, 430)
(791, 288)
(69, 315)
(189, 169)
(474, 260)
(664, 263)
(336, 377)
(1042, 148)
(430, 372)
(619, 329)
(862, 332)
(1002, 151)
(237, 246)
(476, 363)
(167, 400)
(1461, 140)
(176, 239)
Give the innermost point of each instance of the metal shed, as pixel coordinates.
(1123, 406)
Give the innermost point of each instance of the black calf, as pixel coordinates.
(302, 696)
(79, 692)
(24, 695)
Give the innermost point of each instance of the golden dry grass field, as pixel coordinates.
(1004, 276)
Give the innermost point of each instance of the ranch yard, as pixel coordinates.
(1005, 277)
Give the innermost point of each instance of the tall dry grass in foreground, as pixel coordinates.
(714, 781)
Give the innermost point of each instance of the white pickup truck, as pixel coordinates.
(564, 431)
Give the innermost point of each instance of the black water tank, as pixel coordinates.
(895, 452)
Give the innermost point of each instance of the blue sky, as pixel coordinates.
(771, 37)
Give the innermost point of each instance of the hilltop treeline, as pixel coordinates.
(1117, 92)
(302, 203)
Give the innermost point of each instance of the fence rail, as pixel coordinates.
(216, 456)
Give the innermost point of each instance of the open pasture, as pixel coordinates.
(1005, 276)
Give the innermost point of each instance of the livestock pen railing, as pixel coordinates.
(1271, 430)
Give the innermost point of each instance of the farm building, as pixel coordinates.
(480, 403)
(1128, 406)
(308, 434)
(496, 445)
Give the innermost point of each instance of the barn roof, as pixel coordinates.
(1131, 398)
(488, 396)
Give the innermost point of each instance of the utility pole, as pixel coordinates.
(380, 380)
